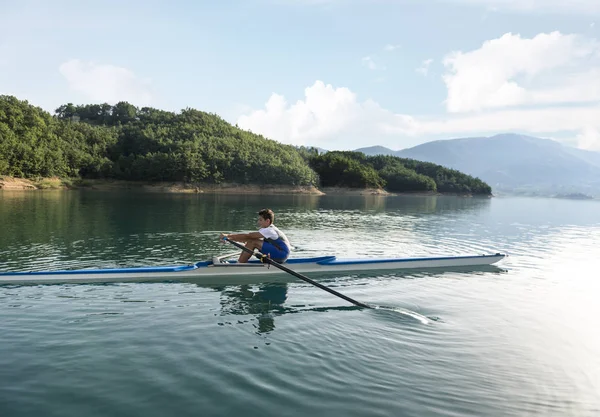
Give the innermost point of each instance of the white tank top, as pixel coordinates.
(272, 232)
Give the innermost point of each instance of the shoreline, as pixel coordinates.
(57, 184)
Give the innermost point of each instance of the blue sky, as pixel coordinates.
(339, 74)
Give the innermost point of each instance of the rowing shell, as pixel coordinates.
(218, 270)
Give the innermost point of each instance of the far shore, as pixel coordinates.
(22, 184)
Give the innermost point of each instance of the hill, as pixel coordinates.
(123, 142)
(357, 170)
(511, 162)
(376, 150)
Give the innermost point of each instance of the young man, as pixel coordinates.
(269, 240)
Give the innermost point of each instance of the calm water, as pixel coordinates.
(519, 340)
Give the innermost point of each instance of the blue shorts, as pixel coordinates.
(277, 255)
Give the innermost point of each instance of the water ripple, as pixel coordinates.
(511, 341)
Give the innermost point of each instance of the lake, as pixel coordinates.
(518, 340)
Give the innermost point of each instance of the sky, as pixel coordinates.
(337, 74)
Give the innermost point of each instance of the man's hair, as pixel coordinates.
(267, 214)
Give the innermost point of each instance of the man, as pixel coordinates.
(269, 240)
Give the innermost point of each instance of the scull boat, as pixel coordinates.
(219, 270)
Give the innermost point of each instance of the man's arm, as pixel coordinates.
(243, 237)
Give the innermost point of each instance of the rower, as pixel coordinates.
(269, 240)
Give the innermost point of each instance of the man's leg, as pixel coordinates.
(278, 254)
(251, 244)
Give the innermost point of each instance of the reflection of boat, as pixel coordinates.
(219, 270)
(263, 301)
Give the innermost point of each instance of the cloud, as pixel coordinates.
(106, 83)
(424, 68)
(389, 47)
(537, 6)
(324, 114)
(304, 2)
(589, 139)
(549, 120)
(327, 116)
(368, 62)
(520, 6)
(545, 85)
(550, 68)
(334, 118)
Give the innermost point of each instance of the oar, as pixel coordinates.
(266, 259)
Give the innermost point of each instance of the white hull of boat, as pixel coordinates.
(219, 272)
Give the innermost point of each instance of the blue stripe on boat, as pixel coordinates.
(379, 260)
(316, 259)
(176, 268)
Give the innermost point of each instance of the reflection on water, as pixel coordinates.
(513, 340)
(93, 229)
(79, 214)
(406, 204)
(263, 301)
(270, 300)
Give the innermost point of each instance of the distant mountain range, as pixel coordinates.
(512, 163)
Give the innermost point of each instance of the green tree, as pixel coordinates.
(122, 141)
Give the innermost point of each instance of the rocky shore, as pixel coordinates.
(21, 184)
(15, 184)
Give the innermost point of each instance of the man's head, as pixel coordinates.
(266, 217)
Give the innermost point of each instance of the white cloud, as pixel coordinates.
(535, 121)
(549, 68)
(106, 83)
(545, 85)
(389, 47)
(334, 118)
(324, 114)
(541, 6)
(521, 6)
(304, 2)
(368, 62)
(589, 139)
(424, 68)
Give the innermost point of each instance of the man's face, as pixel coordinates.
(263, 222)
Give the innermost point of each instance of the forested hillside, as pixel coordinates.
(100, 141)
(123, 142)
(355, 169)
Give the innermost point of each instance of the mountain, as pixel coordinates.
(511, 162)
(376, 150)
(308, 148)
(588, 156)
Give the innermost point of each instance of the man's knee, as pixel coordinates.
(254, 244)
